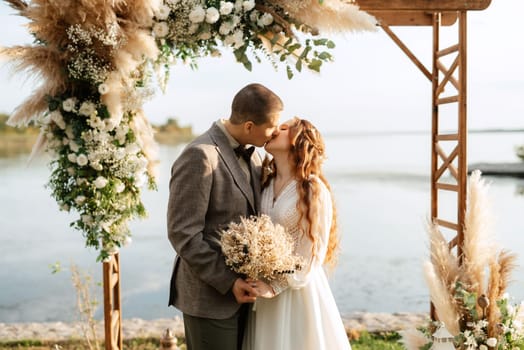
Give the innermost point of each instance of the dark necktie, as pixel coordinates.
(242, 151)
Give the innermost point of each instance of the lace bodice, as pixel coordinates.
(283, 210)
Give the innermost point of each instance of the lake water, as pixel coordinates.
(381, 185)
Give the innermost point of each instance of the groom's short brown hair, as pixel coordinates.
(255, 103)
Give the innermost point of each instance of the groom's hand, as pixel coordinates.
(243, 292)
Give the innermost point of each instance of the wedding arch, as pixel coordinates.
(96, 58)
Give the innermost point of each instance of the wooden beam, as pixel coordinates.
(404, 48)
(423, 5)
(412, 18)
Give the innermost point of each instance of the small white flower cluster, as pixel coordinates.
(88, 63)
(98, 169)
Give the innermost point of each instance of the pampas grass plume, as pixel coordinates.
(443, 301)
(478, 247)
(413, 339)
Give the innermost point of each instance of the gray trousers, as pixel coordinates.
(211, 334)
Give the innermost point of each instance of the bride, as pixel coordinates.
(298, 311)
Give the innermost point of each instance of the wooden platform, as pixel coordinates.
(499, 169)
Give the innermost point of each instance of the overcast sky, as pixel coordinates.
(371, 86)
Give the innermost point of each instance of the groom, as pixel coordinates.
(215, 181)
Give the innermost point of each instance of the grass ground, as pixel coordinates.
(366, 341)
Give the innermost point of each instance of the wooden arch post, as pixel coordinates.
(112, 304)
(452, 159)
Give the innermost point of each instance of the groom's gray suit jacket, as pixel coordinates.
(207, 191)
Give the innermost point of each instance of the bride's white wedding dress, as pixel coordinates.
(303, 315)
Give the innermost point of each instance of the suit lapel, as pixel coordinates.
(256, 179)
(231, 161)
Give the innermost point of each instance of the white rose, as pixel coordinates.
(71, 171)
(87, 108)
(163, 12)
(248, 5)
(69, 104)
(226, 7)
(491, 342)
(100, 182)
(161, 29)
(483, 347)
(87, 219)
(97, 166)
(266, 19)
(80, 181)
(236, 39)
(82, 160)
(56, 117)
(238, 6)
(79, 200)
(253, 16)
(225, 28)
(64, 207)
(65, 141)
(103, 89)
(71, 157)
(73, 147)
(212, 15)
(205, 36)
(140, 179)
(120, 187)
(197, 15)
(235, 20)
(128, 240)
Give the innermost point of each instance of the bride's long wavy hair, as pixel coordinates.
(307, 155)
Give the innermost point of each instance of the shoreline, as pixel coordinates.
(140, 328)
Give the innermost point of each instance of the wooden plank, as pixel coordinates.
(463, 132)
(424, 5)
(448, 50)
(450, 99)
(447, 187)
(447, 137)
(448, 224)
(404, 48)
(412, 18)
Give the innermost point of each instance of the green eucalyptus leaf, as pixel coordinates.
(298, 65)
(289, 72)
(315, 65)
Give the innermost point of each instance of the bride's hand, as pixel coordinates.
(264, 290)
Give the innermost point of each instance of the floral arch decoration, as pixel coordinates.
(96, 60)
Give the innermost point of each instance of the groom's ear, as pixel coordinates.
(248, 126)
